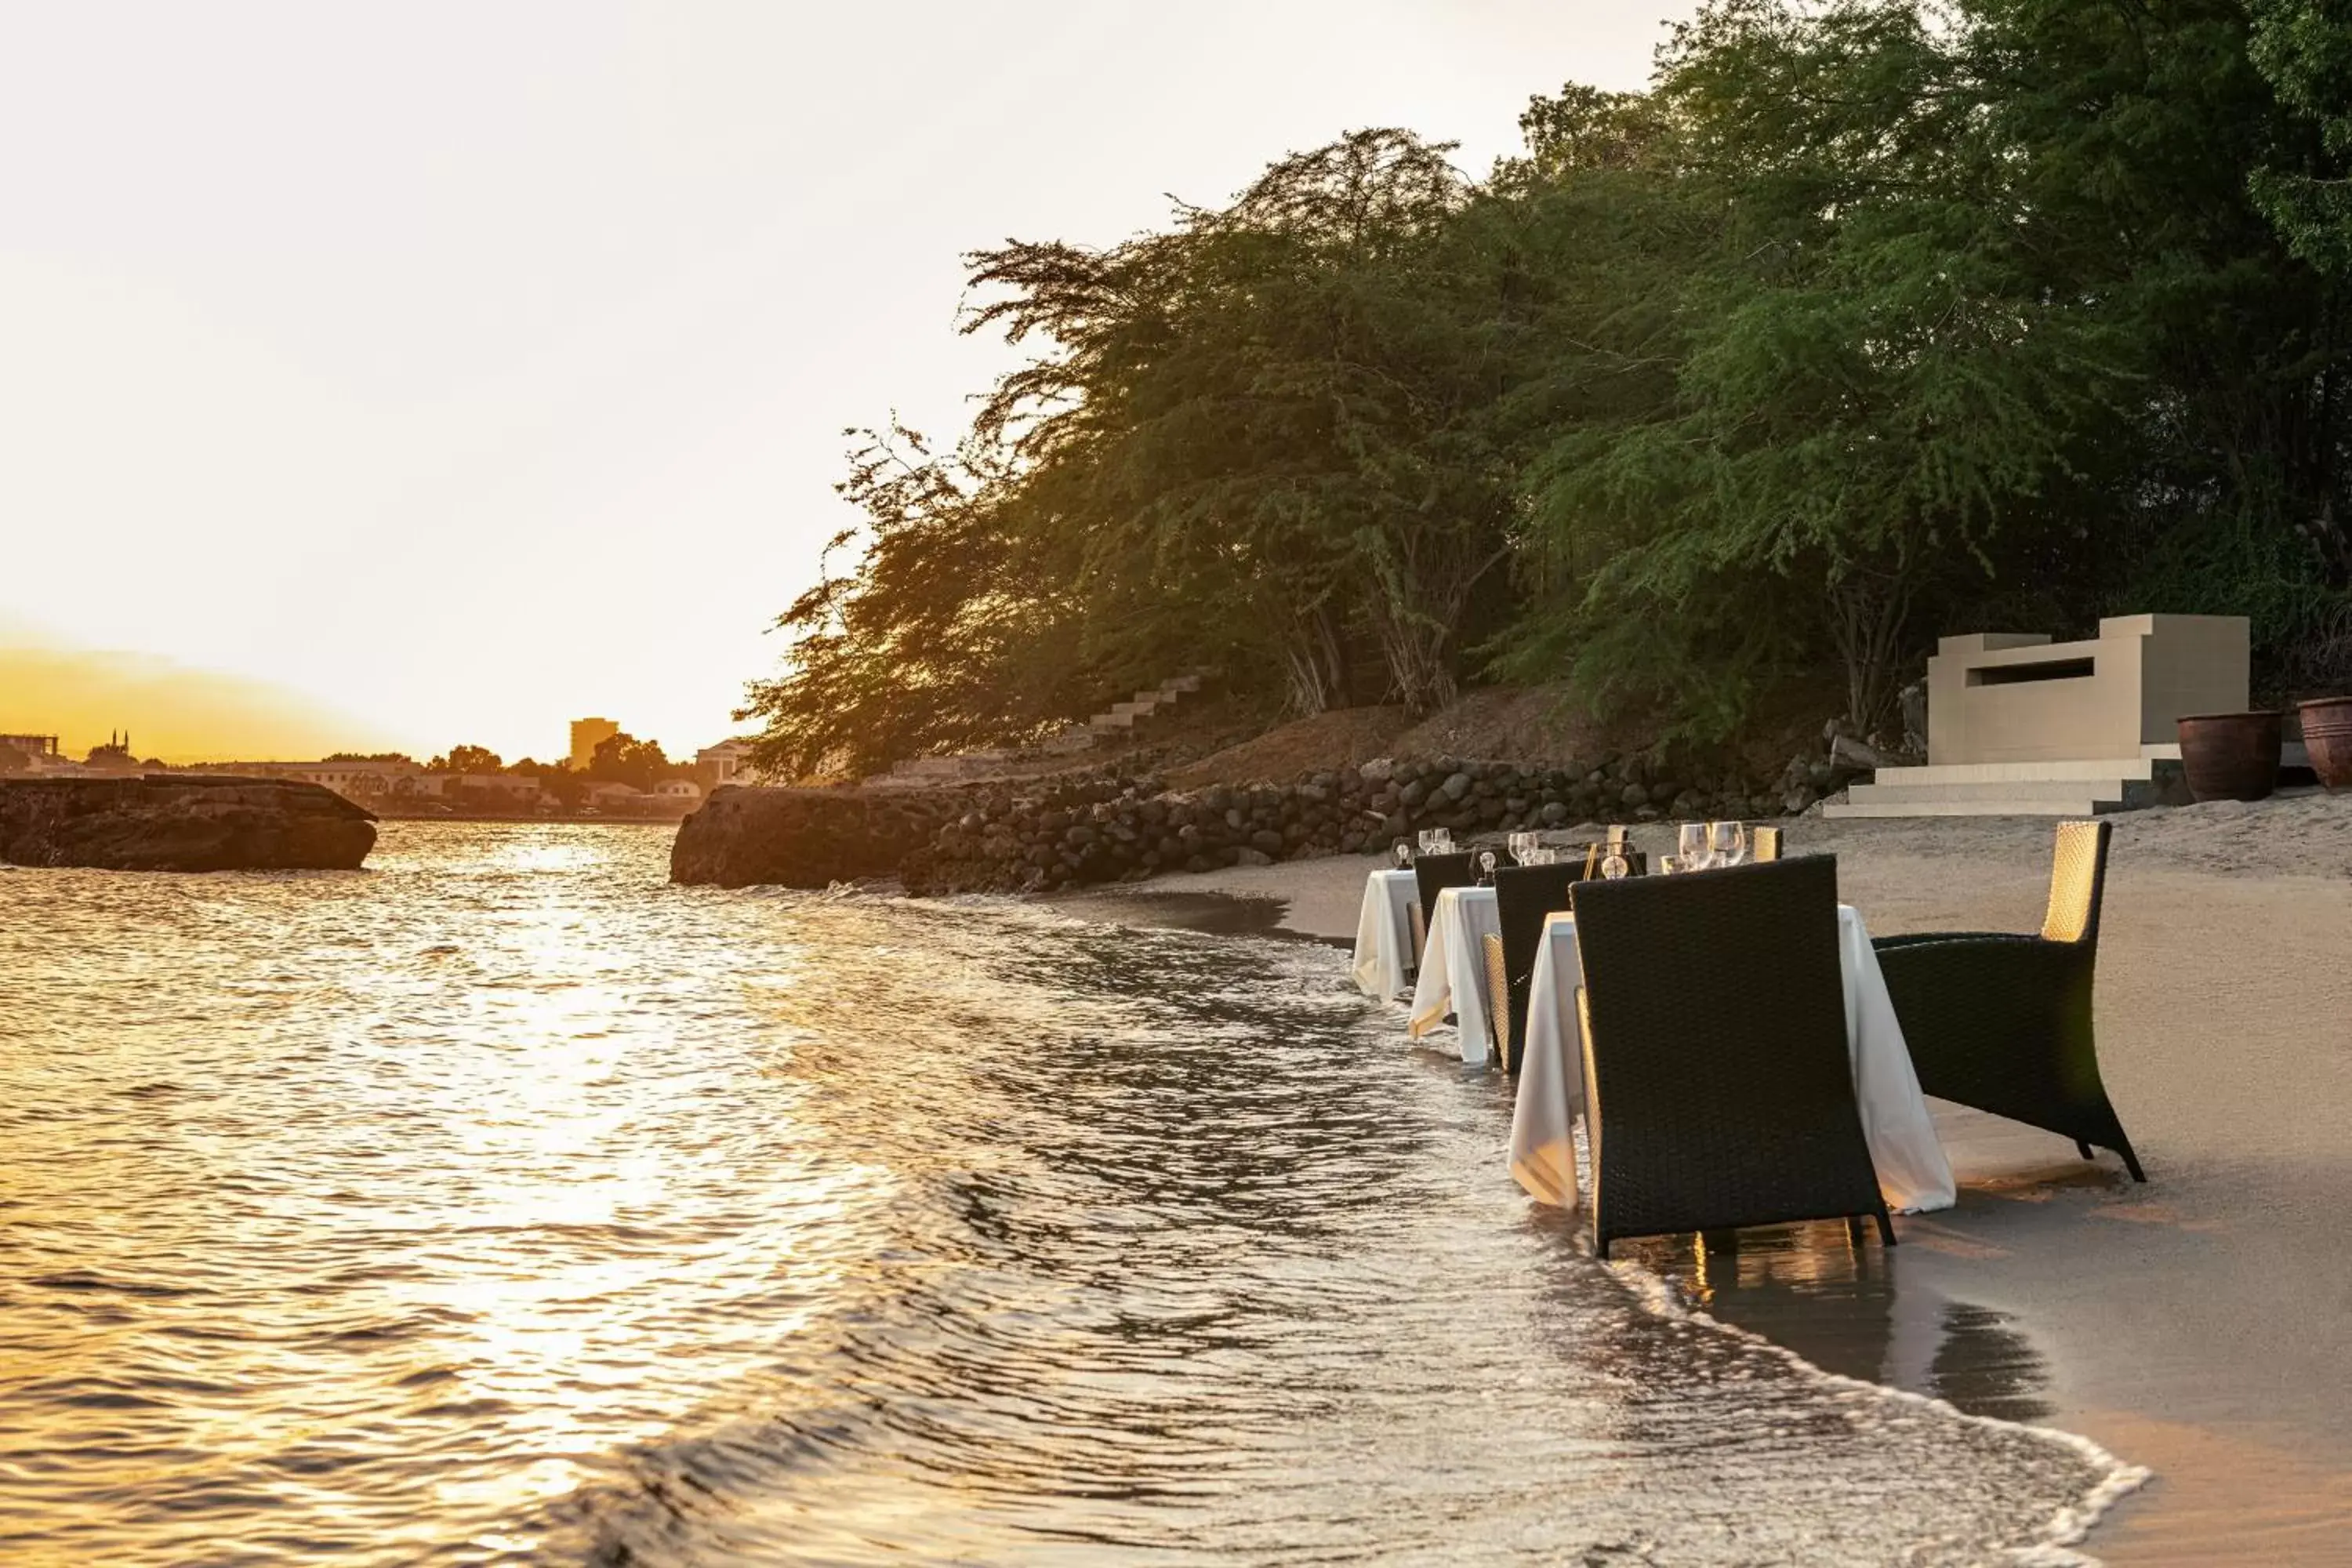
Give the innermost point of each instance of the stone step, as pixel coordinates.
(2027, 806)
(2122, 791)
(2096, 771)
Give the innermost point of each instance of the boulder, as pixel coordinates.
(813, 837)
(192, 822)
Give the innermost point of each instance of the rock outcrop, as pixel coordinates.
(807, 838)
(166, 822)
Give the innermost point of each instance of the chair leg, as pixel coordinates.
(1853, 1228)
(2084, 1148)
(1885, 1227)
(2131, 1161)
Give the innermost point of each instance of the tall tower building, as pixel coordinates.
(587, 734)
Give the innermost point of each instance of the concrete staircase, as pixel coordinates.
(2014, 789)
(1119, 720)
(2029, 789)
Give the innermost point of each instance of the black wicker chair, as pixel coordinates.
(1524, 895)
(1718, 1093)
(1433, 874)
(2001, 1021)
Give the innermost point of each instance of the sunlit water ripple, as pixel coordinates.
(503, 1203)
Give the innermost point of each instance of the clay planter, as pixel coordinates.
(2327, 735)
(2231, 756)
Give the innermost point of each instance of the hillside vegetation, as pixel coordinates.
(1867, 321)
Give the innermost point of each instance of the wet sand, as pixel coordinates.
(2200, 1324)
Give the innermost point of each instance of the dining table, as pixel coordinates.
(1914, 1175)
(1387, 933)
(1453, 977)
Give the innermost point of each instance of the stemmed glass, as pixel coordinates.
(1726, 842)
(1403, 855)
(1691, 847)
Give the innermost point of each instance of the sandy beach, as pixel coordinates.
(2200, 1324)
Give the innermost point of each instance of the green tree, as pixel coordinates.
(625, 759)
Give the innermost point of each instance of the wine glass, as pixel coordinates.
(1428, 840)
(1691, 846)
(1485, 867)
(1727, 842)
(1403, 855)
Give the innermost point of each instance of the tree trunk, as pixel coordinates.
(1870, 611)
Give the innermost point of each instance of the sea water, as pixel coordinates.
(502, 1203)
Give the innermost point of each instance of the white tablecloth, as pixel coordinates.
(1913, 1174)
(1453, 969)
(1384, 933)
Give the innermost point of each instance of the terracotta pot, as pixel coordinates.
(2327, 736)
(2231, 756)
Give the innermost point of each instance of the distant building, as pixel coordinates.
(361, 783)
(730, 763)
(42, 753)
(587, 734)
(679, 789)
(616, 797)
(514, 791)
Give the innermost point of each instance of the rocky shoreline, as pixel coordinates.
(182, 823)
(1083, 831)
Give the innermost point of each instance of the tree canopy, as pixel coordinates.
(1868, 320)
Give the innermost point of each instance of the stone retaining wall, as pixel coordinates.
(1110, 828)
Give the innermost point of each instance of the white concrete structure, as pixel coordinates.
(679, 789)
(730, 763)
(2019, 725)
(2003, 697)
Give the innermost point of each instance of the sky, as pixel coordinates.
(435, 372)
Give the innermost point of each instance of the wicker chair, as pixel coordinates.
(2001, 1021)
(1523, 896)
(1764, 844)
(1719, 1094)
(1433, 874)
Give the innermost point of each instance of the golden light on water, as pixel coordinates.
(505, 1202)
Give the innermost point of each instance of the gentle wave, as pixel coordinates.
(505, 1204)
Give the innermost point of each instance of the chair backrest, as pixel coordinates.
(1764, 844)
(1720, 1091)
(1523, 896)
(1433, 874)
(2078, 880)
(1498, 1017)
